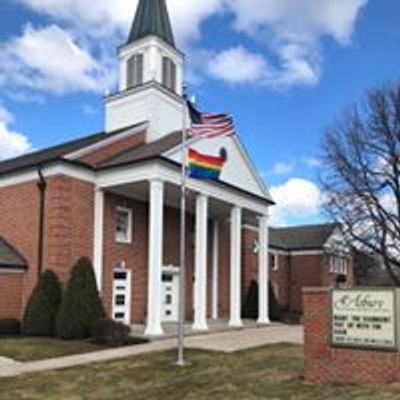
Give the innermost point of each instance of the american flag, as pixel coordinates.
(210, 125)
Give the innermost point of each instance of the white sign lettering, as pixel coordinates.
(364, 318)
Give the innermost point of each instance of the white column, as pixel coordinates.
(200, 279)
(98, 237)
(155, 258)
(236, 273)
(215, 269)
(263, 272)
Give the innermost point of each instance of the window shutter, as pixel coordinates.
(135, 71)
(169, 74)
(165, 71)
(139, 69)
(173, 77)
(131, 72)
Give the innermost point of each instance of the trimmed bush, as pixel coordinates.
(250, 305)
(10, 327)
(109, 332)
(43, 305)
(81, 307)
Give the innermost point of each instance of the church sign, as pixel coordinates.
(365, 318)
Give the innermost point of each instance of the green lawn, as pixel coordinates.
(31, 349)
(273, 373)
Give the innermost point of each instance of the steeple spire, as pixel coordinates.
(152, 19)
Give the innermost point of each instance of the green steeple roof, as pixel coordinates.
(152, 19)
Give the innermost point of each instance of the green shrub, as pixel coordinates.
(10, 327)
(43, 305)
(109, 332)
(250, 305)
(81, 306)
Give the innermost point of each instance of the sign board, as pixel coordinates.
(365, 318)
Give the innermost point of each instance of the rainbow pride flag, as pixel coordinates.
(202, 166)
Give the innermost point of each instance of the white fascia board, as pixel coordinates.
(252, 167)
(157, 170)
(8, 271)
(147, 41)
(103, 143)
(58, 168)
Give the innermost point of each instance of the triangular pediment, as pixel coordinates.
(238, 170)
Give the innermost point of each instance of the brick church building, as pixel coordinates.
(114, 197)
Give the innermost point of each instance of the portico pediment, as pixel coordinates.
(238, 170)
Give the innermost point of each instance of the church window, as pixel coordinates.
(169, 74)
(135, 71)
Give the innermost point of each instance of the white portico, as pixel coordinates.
(211, 205)
(150, 92)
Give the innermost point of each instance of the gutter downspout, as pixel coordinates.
(42, 186)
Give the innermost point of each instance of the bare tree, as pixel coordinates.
(361, 175)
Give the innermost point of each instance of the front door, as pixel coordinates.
(122, 295)
(170, 296)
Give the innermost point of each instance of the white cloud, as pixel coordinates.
(282, 168)
(293, 31)
(103, 18)
(296, 199)
(238, 65)
(312, 162)
(290, 32)
(49, 59)
(11, 143)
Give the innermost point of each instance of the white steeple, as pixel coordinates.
(151, 75)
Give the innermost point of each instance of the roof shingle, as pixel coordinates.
(308, 237)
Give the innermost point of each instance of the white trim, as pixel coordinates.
(215, 270)
(98, 248)
(12, 271)
(263, 272)
(244, 154)
(145, 42)
(128, 295)
(236, 268)
(155, 170)
(155, 258)
(200, 269)
(59, 168)
(106, 142)
(129, 212)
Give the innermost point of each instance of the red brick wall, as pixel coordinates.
(325, 364)
(11, 285)
(68, 225)
(19, 226)
(224, 274)
(102, 154)
(133, 254)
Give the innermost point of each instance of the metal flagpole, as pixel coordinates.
(182, 270)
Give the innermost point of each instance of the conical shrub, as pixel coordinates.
(42, 307)
(81, 307)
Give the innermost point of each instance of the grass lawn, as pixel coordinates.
(273, 373)
(31, 349)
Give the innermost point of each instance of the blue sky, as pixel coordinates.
(285, 69)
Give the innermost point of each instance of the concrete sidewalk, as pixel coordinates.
(225, 342)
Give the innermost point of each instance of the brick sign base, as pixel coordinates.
(326, 364)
